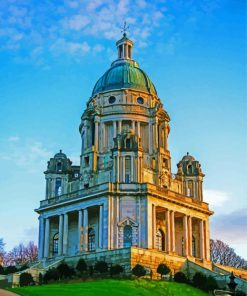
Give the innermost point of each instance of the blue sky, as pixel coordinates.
(53, 52)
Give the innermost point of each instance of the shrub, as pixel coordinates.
(1, 270)
(23, 267)
(101, 266)
(10, 269)
(81, 266)
(240, 293)
(139, 270)
(26, 279)
(199, 280)
(51, 275)
(40, 279)
(91, 271)
(180, 277)
(64, 271)
(211, 284)
(116, 270)
(163, 269)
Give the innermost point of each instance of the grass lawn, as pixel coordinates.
(111, 287)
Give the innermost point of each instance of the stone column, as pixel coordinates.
(114, 129)
(101, 226)
(139, 129)
(133, 126)
(190, 252)
(96, 134)
(185, 236)
(60, 234)
(154, 226)
(150, 138)
(79, 229)
(173, 245)
(168, 231)
(86, 134)
(41, 237)
(132, 169)
(119, 126)
(207, 240)
(85, 229)
(123, 169)
(202, 240)
(47, 238)
(118, 168)
(166, 136)
(65, 233)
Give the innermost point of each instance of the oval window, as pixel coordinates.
(112, 100)
(140, 100)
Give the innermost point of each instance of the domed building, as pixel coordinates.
(123, 204)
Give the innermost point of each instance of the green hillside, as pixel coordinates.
(112, 287)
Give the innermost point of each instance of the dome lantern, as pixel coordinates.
(124, 46)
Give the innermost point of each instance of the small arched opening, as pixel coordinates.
(127, 236)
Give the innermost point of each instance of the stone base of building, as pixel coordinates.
(129, 257)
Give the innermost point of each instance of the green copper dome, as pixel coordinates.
(124, 74)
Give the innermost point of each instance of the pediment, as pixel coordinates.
(127, 221)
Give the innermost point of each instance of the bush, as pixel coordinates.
(41, 279)
(116, 270)
(81, 266)
(1, 270)
(211, 284)
(199, 280)
(240, 293)
(139, 270)
(180, 277)
(64, 271)
(51, 275)
(10, 269)
(26, 279)
(163, 269)
(23, 267)
(101, 267)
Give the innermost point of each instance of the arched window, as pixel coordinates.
(91, 239)
(55, 244)
(59, 167)
(160, 240)
(193, 246)
(127, 143)
(182, 246)
(127, 236)
(58, 186)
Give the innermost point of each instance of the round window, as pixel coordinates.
(112, 100)
(140, 100)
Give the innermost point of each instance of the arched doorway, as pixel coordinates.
(127, 236)
(91, 239)
(55, 244)
(160, 240)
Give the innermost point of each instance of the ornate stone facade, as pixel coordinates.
(123, 193)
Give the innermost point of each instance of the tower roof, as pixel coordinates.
(124, 72)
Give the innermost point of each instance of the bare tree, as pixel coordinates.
(221, 253)
(2, 252)
(22, 254)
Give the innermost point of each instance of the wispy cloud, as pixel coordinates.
(230, 227)
(216, 198)
(13, 139)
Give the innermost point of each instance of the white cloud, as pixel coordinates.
(216, 198)
(77, 22)
(13, 139)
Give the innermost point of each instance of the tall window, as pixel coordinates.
(160, 240)
(127, 169)
(193, 246)
(55, 244)
(91, 239)
(59, 167)
(58, 186)
(127, 236)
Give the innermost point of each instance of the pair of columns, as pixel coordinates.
(63, 233)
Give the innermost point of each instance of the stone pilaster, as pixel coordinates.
(41, 236)
(101, 226)
(47, 238)
(173, 243)
(150, 138)
(80, 223)
(85, 229)
(202, 240)
(154, 225)
(190, 253)
(207, 241)
(185, 235)
(60, 235)
(168, 231)
(65, 233)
